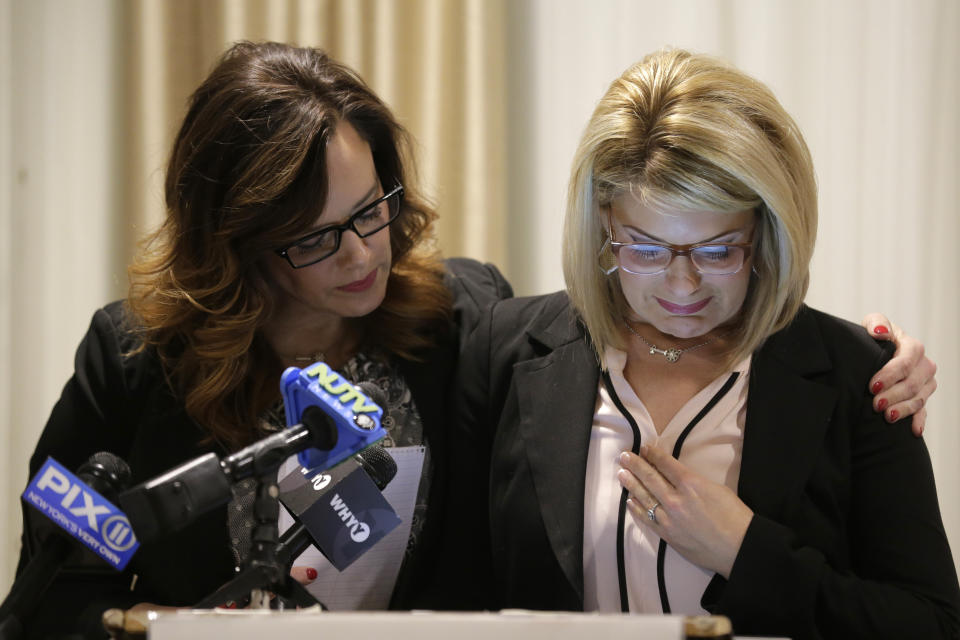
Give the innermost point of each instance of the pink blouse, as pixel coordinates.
(713, 448)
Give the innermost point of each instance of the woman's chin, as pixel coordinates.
(366, 304)
(684, 328)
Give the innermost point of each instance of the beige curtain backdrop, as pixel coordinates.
(496, 92)
(439, 64)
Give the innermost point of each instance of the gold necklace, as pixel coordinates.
(672, 355)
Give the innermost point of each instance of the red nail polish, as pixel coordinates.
(880, 329)
(311, 574)
(894, 415)
(882, 404)
(877, 387)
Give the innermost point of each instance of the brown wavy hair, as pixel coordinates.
(247, 174)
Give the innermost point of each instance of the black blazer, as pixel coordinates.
(847, 539)
(123, 405)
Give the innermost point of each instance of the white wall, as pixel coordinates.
(56, 211)
(8, 481)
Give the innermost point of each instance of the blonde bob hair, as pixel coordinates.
(686, 131)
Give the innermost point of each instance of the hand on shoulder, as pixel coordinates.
(903, 386)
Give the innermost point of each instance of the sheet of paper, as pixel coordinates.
(368, 582)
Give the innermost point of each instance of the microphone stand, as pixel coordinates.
(30, 585)
(267, 566)
(172, 500)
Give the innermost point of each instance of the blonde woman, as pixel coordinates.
(678, 432)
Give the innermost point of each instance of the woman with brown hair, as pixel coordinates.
(294, 233)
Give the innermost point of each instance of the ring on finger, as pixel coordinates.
(652, 512)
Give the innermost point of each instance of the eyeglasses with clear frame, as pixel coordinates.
(652, 258)
(323, 243)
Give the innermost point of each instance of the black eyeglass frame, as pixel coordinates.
(349, 225)
(679, 250)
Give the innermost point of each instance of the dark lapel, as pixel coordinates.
(557, 394)
(788, 413)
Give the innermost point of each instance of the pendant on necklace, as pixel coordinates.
(672, 355)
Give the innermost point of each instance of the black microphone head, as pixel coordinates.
(323, 431)
(108, 474)
(378, 464)
(375, 460)
(105, 473)
(375, 393)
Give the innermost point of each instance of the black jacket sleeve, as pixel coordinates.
(85, 420)
(118, 401)
(465, 573)
(896, 578)
(859, 550)
(474, 287)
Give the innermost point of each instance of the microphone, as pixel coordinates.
(176, 498)
(379, 465)
(342, 508)
(356, 416)
(273, 573)
(80, 505)
(319, 417)
(375, 462)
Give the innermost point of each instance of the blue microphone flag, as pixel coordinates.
(82, 512)
(355, 415)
